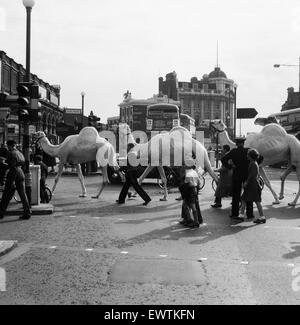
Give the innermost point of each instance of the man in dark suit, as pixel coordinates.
(240, 161)
(131, 178)
(15, 180)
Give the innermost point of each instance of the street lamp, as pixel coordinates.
(234, 111)
(82, 107)
(28, 4)
(291, 65)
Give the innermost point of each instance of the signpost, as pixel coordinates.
(245, 113)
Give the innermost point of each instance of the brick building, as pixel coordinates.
(11, 73)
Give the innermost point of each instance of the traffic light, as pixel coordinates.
(35, 114)
(24, 93)
(24, 100)
(28, 100)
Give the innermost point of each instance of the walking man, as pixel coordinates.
(15, 180)
(131, 178)
(239, 176)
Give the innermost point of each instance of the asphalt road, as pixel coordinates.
(97, 252)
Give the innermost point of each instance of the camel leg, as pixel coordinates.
(145, 173)
(81, 179)
(298, 194)
(59, 172)
(164, 180)
(282, 178)
(268, 184)
(103, 183)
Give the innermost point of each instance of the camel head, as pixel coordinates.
(125, 131)
(217, 125)
(38, 136)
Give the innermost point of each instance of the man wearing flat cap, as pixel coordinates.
(15, 180)
(240, 167)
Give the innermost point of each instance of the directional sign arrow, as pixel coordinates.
(244, 113)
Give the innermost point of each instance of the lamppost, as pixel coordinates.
(28, 4)
(234, 111)
(82, 107)
(291, 65)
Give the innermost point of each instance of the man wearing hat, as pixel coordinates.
(14, 180)
(240, 161)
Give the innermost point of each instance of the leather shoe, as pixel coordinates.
(25, 217)
(119, 202)
(146, 203)
(216, 206)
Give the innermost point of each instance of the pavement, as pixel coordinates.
(98, 252)
(7, 245)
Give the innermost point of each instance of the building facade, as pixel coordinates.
(211, 97)
(293, 100)
(11, 73)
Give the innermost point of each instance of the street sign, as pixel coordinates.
(73, 111)
(244, 113)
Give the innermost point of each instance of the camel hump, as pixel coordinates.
(274, 130)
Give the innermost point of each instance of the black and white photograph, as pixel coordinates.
(149, 155)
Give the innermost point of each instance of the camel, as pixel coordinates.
(80, 148)
(179, 143)
(275, 145)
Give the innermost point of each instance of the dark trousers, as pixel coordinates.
(43, 194)
(190, 201)
(8, 193)
(237, 185)
(131, 180)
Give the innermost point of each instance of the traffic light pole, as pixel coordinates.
(26, 144)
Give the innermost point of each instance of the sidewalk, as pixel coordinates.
(41, 209)
(7, 245)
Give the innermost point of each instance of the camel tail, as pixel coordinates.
(112, 156)
(208, 168)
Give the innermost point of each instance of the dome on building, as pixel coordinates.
(217, 73)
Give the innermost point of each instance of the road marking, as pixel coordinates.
(202, 259)
(244, 262)
(89, 249)
(124, 252)
(147, 220)
(72, 216)
(291, 264)
(53, 247)
(97, 218)
(163, 255)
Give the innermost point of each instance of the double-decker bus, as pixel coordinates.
(162, 117)
(289, 120)
(189, 123)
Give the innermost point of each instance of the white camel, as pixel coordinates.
(81, 148)
(169, 149)
(275, 145)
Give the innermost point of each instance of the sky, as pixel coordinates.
(106, 47)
